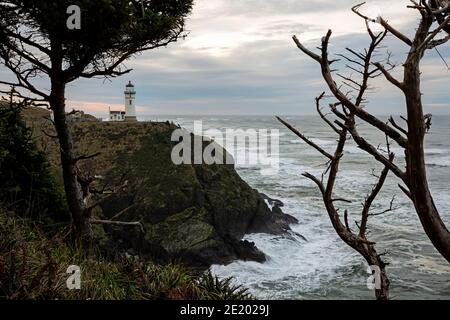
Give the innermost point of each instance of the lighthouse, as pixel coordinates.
(130, 107)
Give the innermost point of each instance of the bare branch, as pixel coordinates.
(341, 200)
(51, 136)
(370, 149)
(305, 50)
(406, 191)
(395, 125)
(384, 23)
(120, 223)
(389, 77)
(359, 112)
(316, 181)
(324, 118)
(116, 216)
(347, 225)
(305, 139)
(428, 40)
(390, 209)
(395, 32)
(82, 158)
(375, 191)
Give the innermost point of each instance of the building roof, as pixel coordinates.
(130, 85)
(116, 112)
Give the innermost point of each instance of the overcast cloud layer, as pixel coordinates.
(239, 59)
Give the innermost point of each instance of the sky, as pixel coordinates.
(239, 58)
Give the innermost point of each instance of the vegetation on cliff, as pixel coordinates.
(33, 266)
(26, 182)
(196, 213)
(35, 253)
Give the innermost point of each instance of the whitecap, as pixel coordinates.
(438, 162)
(435, 151)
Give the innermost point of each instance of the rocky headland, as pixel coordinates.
(197, 214)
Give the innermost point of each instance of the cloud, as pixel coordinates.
(239, 59)
(230, 23)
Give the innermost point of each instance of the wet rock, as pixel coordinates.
(272, 202)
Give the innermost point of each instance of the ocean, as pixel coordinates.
(322, 266)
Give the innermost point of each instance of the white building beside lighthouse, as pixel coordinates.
(130, 107)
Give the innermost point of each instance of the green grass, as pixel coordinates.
(33, 267)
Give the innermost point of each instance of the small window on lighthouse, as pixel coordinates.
(131, 101)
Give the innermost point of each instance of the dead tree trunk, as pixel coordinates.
(416, 169)
(357, 241)
(414, 176)
(345, 125)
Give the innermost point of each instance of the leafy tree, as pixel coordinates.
(36, 43)
(27, 182)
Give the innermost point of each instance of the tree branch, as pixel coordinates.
(359, 112)
(384, 23)
(389, 77)
(375, 191)
(120, 223)
(82, 158)
(395, 125)
(305, 139)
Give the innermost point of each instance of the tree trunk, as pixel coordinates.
(415, 156)
(383, 292)
(81, 225)
(373, 259)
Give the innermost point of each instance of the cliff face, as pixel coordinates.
(196, 213)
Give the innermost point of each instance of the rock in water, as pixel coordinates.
(272, 202)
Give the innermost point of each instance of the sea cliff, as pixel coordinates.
(198, 214)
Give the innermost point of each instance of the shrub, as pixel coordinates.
(26, 181)
(34, 267)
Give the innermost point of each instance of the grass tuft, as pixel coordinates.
(33, 267)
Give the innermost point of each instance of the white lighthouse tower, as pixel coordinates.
(130, 107)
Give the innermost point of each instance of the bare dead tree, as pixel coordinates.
(432, 32)
(96, 192)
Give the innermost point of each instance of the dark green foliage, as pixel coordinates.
(109, 30)
(34, 267)
(27, 185)
(222, 289)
